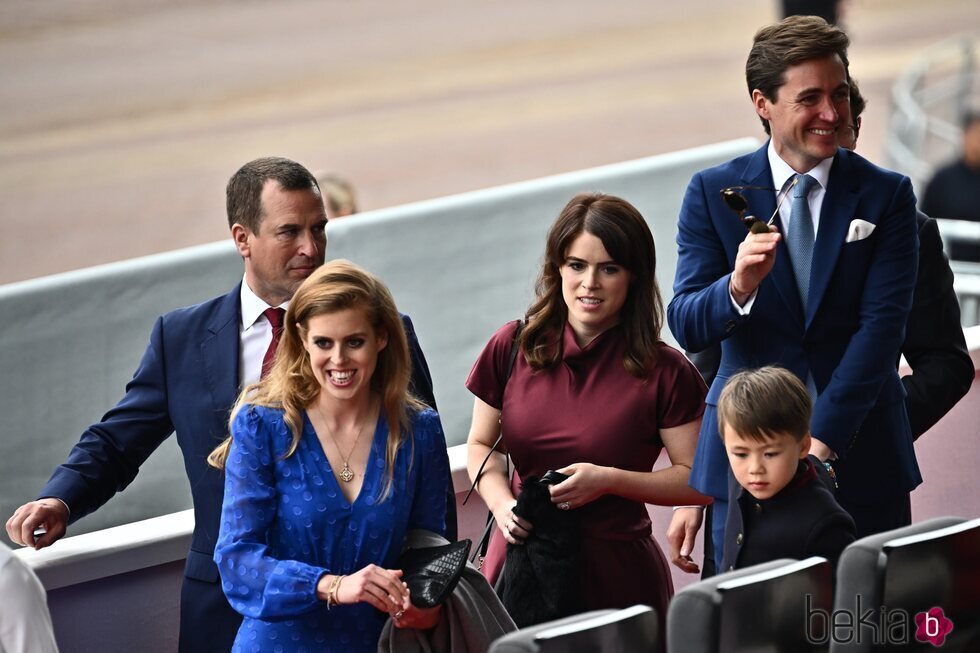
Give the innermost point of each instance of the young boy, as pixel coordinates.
(780, 505)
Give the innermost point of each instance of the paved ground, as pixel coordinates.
(121, 121)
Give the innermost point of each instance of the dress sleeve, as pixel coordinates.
(431, 462)
(257, 584)
(682, 390)
(486, 379)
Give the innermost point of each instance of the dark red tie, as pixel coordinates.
(275, 317)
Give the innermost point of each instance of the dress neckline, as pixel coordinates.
(379, 443)
(571, 349)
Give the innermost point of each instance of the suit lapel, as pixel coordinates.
(219, 352)
(763, 203)
(835, 218)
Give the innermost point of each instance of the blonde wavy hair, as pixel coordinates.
(290, 384)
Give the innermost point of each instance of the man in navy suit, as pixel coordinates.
(196, 363)
(826, 298)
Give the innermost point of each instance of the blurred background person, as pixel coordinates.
(954, 192)
(830, 10)
(338, 195)
(330, 462)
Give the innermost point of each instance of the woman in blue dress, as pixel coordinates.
(330, 462)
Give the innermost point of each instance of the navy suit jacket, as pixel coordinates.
(187, 382)
(847, 337)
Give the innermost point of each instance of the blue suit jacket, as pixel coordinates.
(187, 382)
(847, 337)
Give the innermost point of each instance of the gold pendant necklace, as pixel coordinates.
(346, 474)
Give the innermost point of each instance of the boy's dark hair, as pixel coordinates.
(762, 403)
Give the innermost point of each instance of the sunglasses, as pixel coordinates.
(736, 202)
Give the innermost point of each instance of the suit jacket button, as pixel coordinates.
(739, 539)
(758, 507)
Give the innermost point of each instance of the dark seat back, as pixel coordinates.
(892, 577)
(631, 630)
(762, 608)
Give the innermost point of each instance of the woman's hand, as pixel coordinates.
(382, 588)
(586, 483)
(409, 616)
(515, 529)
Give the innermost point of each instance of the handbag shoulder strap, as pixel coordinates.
(514, 348)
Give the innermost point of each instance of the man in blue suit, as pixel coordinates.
(826, 298)
(196, 363)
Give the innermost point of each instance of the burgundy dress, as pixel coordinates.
(590, 409)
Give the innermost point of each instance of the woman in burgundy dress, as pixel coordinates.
(595, 395)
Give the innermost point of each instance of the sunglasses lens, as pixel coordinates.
(734, 201)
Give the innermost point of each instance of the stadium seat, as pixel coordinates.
(759, 608)
(631, 630)
(884, 581)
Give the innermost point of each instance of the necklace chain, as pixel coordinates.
(346, 474)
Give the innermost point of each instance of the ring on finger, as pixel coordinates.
(399, 614)
(564, 505)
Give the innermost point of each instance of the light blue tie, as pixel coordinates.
(799, 240)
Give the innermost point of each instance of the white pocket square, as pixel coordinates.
(859, 230)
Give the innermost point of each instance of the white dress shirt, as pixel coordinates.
(256, 334)
(782, 176)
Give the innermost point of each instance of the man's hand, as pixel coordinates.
(754, 261)
(820, 450)
(684, 527)
(49, 514)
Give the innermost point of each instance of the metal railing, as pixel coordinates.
(930, 100)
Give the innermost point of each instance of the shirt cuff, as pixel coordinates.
(743, 310)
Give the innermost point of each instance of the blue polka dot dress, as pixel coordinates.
(285, 523)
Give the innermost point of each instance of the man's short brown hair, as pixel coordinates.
(244, 192)
(787, 43)
(762, 403)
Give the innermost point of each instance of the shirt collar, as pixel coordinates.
(253, 306)
(782, 172)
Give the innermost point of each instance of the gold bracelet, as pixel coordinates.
(332, 592)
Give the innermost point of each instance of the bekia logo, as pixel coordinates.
(880, 627)
(932, 626)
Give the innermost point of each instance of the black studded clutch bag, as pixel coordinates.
(432, 573)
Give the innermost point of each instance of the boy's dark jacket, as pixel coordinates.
(801, 520)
